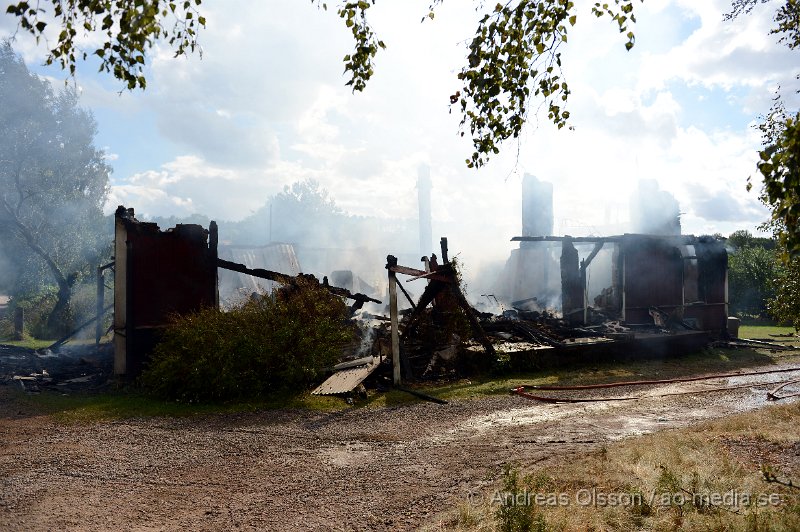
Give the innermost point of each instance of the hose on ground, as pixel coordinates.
(550, 387)
(520, 390)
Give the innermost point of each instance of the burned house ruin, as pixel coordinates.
(178, 271)
(158, 273)
(683, 276)
(622, 277)
(575, 293)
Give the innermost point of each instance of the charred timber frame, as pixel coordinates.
(713, 282)
(100, 302)
(282, 278)
(442, 278)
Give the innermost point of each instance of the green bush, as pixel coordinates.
(265, 345)
(785, 306)
(36, 308)
(752, 272)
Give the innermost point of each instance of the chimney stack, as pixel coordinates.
(537, 207)
(424, 194)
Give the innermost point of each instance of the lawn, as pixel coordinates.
(774, 333)
(736, 473)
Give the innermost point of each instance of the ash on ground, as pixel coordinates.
(70, 369)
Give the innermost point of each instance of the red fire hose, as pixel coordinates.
(771, 396)
(520, 390)
(550, 387)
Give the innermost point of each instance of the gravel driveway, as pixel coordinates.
(363, 468)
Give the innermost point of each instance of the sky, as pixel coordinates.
(267, 106)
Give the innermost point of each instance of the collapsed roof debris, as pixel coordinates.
(653, 307)
(666, 294)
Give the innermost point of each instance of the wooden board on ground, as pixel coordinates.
(347, 379)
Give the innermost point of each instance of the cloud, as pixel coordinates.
(147, 200)
(266, 106)
(188, 185)
(739, 52)
(722, 206)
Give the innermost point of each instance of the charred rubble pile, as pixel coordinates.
(446, 340)
(441, 336)
(665, 299)
(68, 369)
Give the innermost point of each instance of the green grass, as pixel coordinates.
(124, 404)
(706, 361)
(764, 331)
(28, 343)
(86, 408)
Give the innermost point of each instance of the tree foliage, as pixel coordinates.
(779, 166)
(779, 160)
(514, 56)
(304, 213)
(129, 28)
(785, 305)
(753, 269)
(744, 238)
(53, 181)
(787, 18)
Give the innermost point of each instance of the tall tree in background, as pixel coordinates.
(785, 305)
(779, 160)
(304, 213)
(779, 168)
(753, 269)
(53, 181)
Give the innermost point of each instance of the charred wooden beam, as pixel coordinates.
(101, 292)
(396, 268)
(415, 273)
(477, 330)
(61, 341)
(421, 395)
(288, 279)
(434, 275)
(584, 265)
(408, 297)
(450, 282)
(574, 239)
(588, 260)
(255, 272)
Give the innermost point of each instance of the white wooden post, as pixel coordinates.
(395, 326)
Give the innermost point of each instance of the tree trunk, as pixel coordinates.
(58, 320)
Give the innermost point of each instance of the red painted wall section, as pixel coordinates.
(165, 273)
(171, 272)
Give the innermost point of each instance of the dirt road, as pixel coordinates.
(364, 468)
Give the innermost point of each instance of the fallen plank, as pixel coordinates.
(346, 380)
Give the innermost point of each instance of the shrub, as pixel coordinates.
(37, 308)
(785, 306)
(264, 345)
(515, 512)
